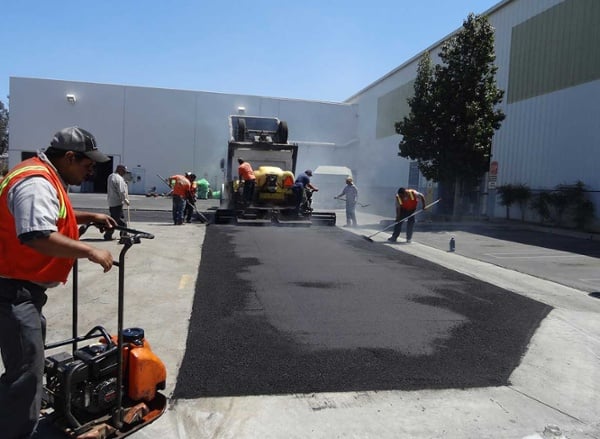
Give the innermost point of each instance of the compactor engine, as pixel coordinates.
(83, 385)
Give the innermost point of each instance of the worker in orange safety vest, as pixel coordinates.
(191, 197)
(180, 186)
(246, 175)
(40, 242)
(407, 201)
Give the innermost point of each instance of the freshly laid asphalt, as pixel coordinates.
(498, 339)
(282, 310)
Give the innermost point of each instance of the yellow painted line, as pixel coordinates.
(184, 281)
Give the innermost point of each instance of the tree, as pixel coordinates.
(3, 129)
(454, 112)
(510, 194)
(507, 197)
(419, 141)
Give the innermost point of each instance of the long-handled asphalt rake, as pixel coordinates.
(368, 238)
(360, 204)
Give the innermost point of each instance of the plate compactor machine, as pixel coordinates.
(109, 388)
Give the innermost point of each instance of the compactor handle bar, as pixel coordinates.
(134, 237)
(137, 234)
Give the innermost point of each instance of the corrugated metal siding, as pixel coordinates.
(550, 134)
(555, 49)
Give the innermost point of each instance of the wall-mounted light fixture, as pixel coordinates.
(241, 110)
(71, 99)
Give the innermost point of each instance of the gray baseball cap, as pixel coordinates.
(78, 140)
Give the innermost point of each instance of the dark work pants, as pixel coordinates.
(178, 208)
(300, 195)
(22, 335)
(249, 190)
(410, 223)
(116, 212)
(188, 211)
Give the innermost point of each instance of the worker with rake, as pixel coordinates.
(407, 201)
(350, 192)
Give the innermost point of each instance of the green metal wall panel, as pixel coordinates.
(556, 49)
(391, 108)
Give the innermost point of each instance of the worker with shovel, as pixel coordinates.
(180, 185)
(407, 201)
(190, 198)
(350, 192)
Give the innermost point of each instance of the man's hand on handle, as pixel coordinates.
(101, 257)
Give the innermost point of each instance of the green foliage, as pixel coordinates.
(3, 129)
(511, 194)
(565, 203)
(453, 113)
(541, 204)
(419, 140)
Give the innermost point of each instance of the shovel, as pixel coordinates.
(368, 238)
(202, 217)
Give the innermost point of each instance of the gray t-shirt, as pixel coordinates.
(34, 205)
(351, 193)
(116, 190)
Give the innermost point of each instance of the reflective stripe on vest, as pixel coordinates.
(62, 210)
(410, 204)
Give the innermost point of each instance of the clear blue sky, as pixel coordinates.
(306, 49)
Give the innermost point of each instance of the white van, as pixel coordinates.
(330, 180)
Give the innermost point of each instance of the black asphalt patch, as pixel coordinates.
(300, 310)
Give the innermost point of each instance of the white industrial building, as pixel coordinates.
(548, 64)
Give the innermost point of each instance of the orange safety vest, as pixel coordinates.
(410, 203)
(180, 185)
(193, 189)
(245, 172)
(19, 261)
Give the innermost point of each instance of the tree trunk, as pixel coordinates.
(457, 200)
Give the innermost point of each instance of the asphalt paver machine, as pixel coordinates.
(263, 142)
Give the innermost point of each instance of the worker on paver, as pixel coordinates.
(407, 201)
(301, 184)
(40, 241)
(350, 194)
(180, 186)
(246, 175)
